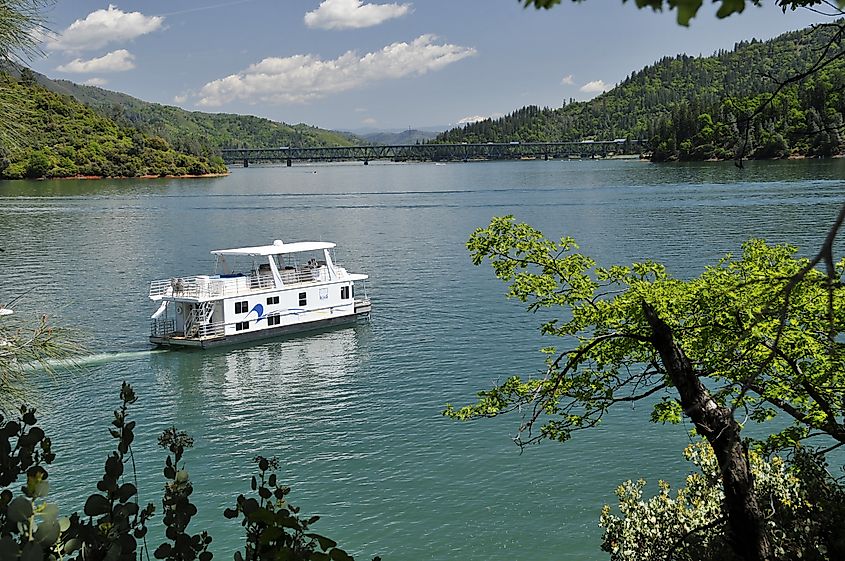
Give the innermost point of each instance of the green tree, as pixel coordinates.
(37, 165)
(23, 343)
(687, 9)
(759, 334)
(20, 24)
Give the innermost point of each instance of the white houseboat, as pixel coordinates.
(285, 288)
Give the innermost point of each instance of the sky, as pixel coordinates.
(376, 65)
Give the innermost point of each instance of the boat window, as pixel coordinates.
(302, 299)
(242, 307)
(272, 300)
(241, 325)
(274, 320)
(344, 293)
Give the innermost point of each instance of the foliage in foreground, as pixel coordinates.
(687, 9)
(805, 512)
(24, 343)
(113, 526)
(763, 329)
(760, 335)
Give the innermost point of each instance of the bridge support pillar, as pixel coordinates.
(246, 163)
(288, 162)
(366, 162)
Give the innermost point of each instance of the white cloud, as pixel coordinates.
(101, 27)
(353, 14)
(302, 78)
(476, 118)
(369, 121)
(567, 80)
(180, 99)
(596, 86)
(99, 82)
(472, 119)
(115, 61)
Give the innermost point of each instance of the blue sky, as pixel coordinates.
(356, 64)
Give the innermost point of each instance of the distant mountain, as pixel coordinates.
(410, 136)
(694, 107)
(53, 135)
(195, 132)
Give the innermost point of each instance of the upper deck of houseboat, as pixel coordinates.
(271, 269)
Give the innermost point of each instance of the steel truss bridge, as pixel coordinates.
(436, 152)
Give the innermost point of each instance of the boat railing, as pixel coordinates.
(167, 328)
(162, 327)
(211, 330)
(204, 287)
(297, 276)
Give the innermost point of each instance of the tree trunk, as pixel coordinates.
(716, 423)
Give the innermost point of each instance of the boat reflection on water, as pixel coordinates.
(311, 375)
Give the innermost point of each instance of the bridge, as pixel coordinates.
(463, 152)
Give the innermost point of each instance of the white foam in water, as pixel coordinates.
(102, 358)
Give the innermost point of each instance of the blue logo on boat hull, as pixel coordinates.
(259, 310)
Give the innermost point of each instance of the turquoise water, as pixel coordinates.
(354, 413)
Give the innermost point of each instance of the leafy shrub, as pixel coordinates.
(37, 165)
(113, 526)
(805, 512)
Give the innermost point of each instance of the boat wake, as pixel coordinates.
(103, 358)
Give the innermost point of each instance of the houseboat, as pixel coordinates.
(257, 292)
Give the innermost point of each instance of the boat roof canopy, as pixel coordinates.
(277, 248)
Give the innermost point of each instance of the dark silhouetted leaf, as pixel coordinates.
(32, 551)
(163, 551)
(325, 543)
(126, 492)
(96, 505)
(340, 555)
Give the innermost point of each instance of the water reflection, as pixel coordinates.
(288, 376)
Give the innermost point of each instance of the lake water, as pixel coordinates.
(354, 414)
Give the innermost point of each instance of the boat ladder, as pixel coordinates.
(200, 316)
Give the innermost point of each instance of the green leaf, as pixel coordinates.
(325, 543)
(340, 555)
(729, 7)
(96, 505)
(668, 410)
(687, 10)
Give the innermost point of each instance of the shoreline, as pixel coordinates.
(95, 177)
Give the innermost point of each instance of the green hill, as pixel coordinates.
(411, 136)
(56, 136)
(694, 107)
(194, 131)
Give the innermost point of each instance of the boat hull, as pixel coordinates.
(174, 341)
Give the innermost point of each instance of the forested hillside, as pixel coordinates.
(411, 136)
(56, 136)
(694, 107)
(194, 131)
